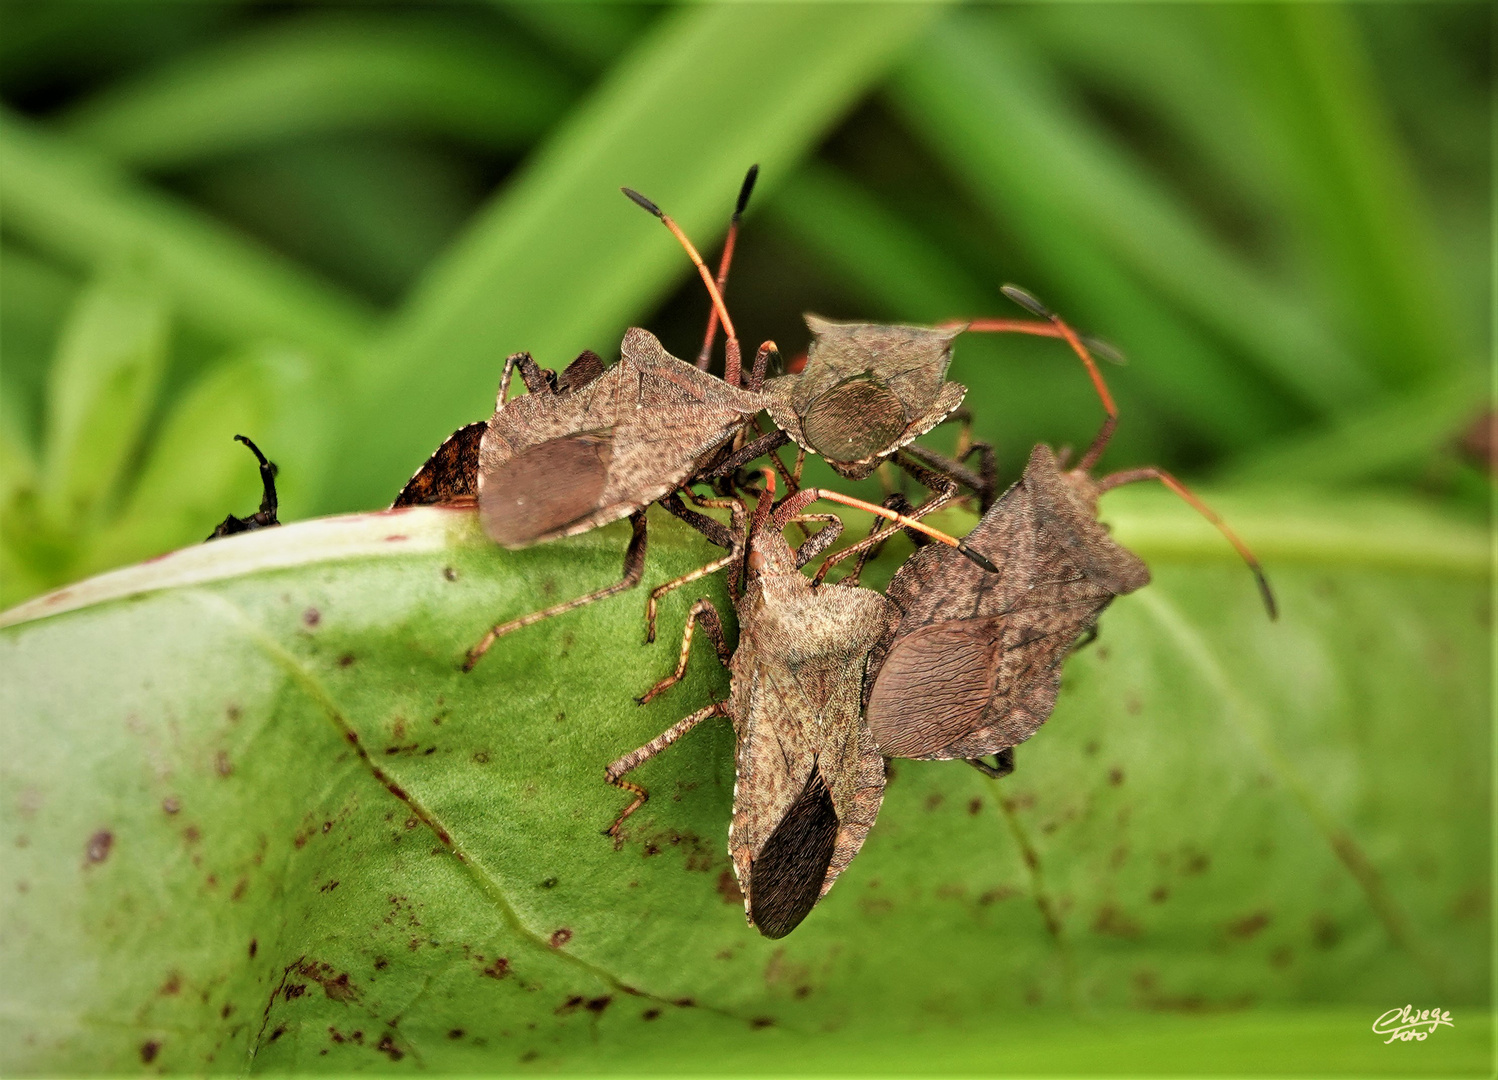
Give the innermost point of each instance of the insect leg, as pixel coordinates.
(634, 568)
(942, 488)
(686, 579)
(898, 503)
(266, 515)
(531, 373)
(614, 773)
(765, 444)
(819, 541)
(1131, 476)
(1003, 764)
(712, 625)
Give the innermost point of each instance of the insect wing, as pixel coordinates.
(450, 475)
(785, 880)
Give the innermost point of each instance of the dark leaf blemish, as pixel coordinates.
(99, 846)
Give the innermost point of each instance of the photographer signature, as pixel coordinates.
(1405, 1024)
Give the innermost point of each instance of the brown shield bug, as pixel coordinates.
(972, 667)
(263, 518)
(809, 778)
(594, 444)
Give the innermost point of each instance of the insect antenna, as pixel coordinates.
(1131, 476)
(731, 362)
(705, 356)
(794, 504)
(268, 470)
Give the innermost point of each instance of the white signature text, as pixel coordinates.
(1408, 1024)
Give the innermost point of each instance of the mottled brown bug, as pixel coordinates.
(972, 666)
(263, 518)
(593, 444)
(809, 779)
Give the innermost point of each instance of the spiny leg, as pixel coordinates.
(712, 625)
(266, 515)
(1131, 476)
(634, 568)
(821, 540)
(614, 773)
(900, 504)
(942, 489)
(1003, 764)
(531, 373)
(659, 591)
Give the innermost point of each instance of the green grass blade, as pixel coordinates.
(1362, 225)
(592, 34)
(561, 261)
(100, 394)
(990, 111)
(324, 73)
(73, 205)
(1401, 436)
(907, 276)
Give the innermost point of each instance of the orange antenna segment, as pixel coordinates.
(1131, 476)
(707, 277)
(905, 522)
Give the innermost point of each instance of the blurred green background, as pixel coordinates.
(324, 226)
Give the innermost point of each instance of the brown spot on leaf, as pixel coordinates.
(1115, 776)
(171, 804)
(221, 763)
(728, 888)
(499, 969)
(311, 616)
(993, 896)
(254, 948)
(148, 1051)
(449, 573)
(1249, 925)
(685, 1003)
(1160, 894)
(239, 889)
(1324, 932)
(571, 1005)
(455, 1033)
(280, 1030)
(762, 1022)
(387, 1046)
(173, 985)
(1111, 920)
(934, 800)
(192, 834)
(650, 1014)
(98, 847)
(1281, 957)
(560, 937)
(975, 806)
(346, 660)
(295, 990)
(226, 1010)
(598, 1004)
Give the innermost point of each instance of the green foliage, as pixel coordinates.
(325, 228)
(276, 815)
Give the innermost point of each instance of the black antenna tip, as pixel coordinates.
(745, 191)
(1026, 300)
(640, 200)
(1105, 349)
(254, 450)
(976, 557)
(1268, 595)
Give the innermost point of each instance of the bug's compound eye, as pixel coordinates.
(757, 560)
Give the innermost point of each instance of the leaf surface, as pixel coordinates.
(259, 819)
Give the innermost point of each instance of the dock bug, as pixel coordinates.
(809, 778)
(263, 518)
(972, 666)
(593, 444)
(867, 391)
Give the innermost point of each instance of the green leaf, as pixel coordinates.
(996, 116)
(276, 828)
(196, 473)
(559, 261)
(101, 392)
(70, 203)
(320, 74)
